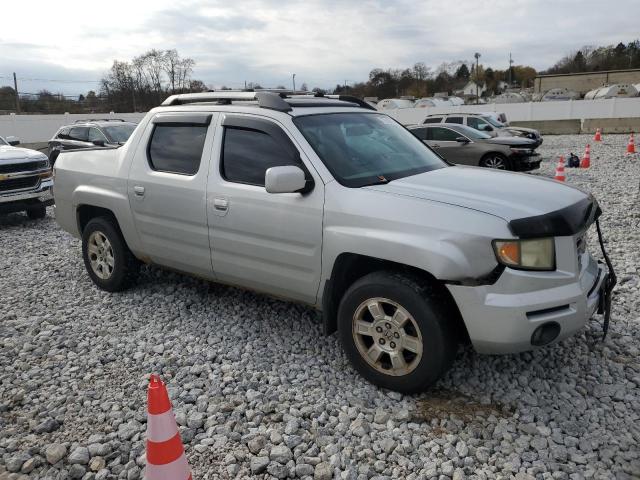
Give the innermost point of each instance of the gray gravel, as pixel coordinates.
(258, 391)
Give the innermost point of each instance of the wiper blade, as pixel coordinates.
(380, 180)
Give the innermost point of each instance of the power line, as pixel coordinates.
(49, 80)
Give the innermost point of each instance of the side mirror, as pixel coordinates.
(13, 141)
(98, 143)
(462, 140)
(285, 179)
(487, 128)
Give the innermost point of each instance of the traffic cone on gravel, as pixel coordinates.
(631, 146)
(165, 453)
(560, 170)
(598, 136)
(586, 160)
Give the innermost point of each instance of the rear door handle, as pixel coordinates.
(221, 204)
(139, 191)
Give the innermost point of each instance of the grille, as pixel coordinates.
(18, 183)
(23, 167)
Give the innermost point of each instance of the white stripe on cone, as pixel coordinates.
(162, 427)
(176, 470)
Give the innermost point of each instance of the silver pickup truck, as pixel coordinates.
(325, 201)
(25, 180)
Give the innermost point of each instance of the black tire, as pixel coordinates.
(429, 310)
(37, 213)
(53, 156)
(125, 266)
(490, 160)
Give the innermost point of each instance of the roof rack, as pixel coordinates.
(89, 120)
(273, 100)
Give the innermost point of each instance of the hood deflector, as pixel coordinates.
(559, 223)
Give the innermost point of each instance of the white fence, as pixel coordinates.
(40, 128)
(562, 110)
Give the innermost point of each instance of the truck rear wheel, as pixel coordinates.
(37, 213)
(108, 260)
(396, 331)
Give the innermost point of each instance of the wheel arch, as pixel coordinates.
(349, 267)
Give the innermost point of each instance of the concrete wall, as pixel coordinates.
(552, 127)
(40, 128)
(583, 82)
(612, 125)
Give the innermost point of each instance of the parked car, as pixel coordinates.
(325, 201)
(90, 134)
(25, 180)
(466, 146)
(485, 123)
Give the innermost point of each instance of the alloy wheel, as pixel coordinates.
(100, 255)
(387, 336)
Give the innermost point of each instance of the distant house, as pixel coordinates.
(471, 89)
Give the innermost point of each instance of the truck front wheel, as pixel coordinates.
(108, 260)
(396, 331)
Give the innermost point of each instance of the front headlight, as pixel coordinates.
(525, 151)
(535, 254)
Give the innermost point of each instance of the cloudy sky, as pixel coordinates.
(66, 46)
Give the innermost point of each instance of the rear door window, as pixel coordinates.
(177, 148)
(444, 134)
(433, 120)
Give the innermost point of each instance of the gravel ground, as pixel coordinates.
(258, 391)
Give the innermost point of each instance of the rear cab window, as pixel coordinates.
(177, 143)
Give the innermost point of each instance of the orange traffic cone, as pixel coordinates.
(165, 453)
(560, 170)
(598, 136)
(631, 146)
(586, 160)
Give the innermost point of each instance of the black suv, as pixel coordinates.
(90, 133)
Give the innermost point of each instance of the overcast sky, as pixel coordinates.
(324, 42)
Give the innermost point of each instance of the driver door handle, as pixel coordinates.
(138, 190)
(221, 204)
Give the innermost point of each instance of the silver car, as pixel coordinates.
(327, 202)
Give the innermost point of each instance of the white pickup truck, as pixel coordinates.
(25, 180)
(325, 201)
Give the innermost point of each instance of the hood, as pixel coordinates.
(513, 141)
(8, 153)
(532, 206)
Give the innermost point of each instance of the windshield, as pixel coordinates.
(493, 122)
(364, 149)
(3, 141)
(119, 133)
(471, 132)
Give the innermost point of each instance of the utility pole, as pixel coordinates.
(294, 83)
(510, 66)
(477, 55)
(15, 85)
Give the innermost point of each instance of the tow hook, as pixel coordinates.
(607, 286)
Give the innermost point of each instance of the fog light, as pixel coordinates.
(545, 334)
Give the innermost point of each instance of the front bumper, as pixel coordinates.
(22, 201)
(525, 163)
(501, 318)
